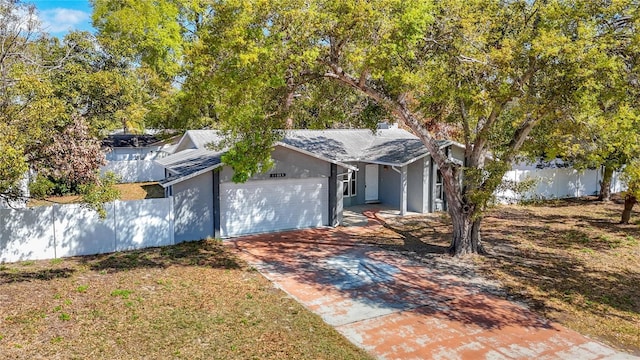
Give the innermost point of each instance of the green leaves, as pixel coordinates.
(44, 106)
(97, 193)
(604, 127)
(251, 153)
(483, 72)
(148, 31)
(631, 175)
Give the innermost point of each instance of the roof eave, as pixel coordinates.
(451, 142)
(189, 176)
(377, 162)
(291, 147)
(415, 159)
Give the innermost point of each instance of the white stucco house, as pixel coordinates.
(132, 156)
(125, 147)
(316, 174)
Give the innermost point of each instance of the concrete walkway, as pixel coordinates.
(396, 308)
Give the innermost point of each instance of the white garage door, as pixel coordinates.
(271, 205)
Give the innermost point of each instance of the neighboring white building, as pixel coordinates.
(555, 180)
(132, 157)
(126, 147)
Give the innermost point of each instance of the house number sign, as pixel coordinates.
(277, 175)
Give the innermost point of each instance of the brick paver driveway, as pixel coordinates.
(397, 308)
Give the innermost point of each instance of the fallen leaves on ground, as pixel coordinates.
(569, 260)
(189, 301)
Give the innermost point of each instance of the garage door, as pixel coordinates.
(272, 205)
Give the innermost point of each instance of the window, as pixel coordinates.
(349, 184)
(439, 193)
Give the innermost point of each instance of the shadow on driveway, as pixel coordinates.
(396, 307)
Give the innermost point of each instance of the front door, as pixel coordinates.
(371, 183)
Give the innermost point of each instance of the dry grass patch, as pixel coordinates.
(132, 191)
(189, 301)
(572, 262)
(138, 191)
(569, 260)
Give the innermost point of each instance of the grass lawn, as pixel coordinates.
(189, 301)
(569, 260)
(133, 191)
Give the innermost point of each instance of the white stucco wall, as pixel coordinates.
(193, 204)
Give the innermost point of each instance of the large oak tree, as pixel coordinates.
(482, 72)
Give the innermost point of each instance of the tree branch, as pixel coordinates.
(464, 58)
(363, 77)
(398, 107)
(520, 136)
(483, 133)
(465, 127)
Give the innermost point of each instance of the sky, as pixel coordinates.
(59, 17)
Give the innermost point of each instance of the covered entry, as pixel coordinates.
(272, 205)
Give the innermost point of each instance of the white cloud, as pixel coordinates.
(21, 19)
(60, 20)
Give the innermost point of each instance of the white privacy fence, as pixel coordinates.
(131, 171)
(69, 230)
(556, 183)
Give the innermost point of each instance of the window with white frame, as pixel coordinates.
(439, 190)
(349, 183)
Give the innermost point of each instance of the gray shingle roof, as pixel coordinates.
(385, 146)
(188, 163)
(389, 146)
(203, 137)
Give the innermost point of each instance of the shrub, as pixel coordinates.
(41, 187)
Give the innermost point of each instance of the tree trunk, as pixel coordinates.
(629, 201)
(466, 232)
(605, 185)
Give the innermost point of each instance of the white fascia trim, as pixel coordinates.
(185, 135)
(394, 164)
(378, 162)
(414, 159)
(451, 142)
(287, 146)
(192, 175)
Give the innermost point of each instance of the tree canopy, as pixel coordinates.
(43, 123)
(483, 72)
(604, 130)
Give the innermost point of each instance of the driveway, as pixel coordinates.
(398, 308)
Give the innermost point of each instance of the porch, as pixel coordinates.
(414, 187)
(355, 215)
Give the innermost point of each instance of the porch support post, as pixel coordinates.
(333, 196)
(216, 204)
(426, 182)
(403, 190)
(431, 184)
